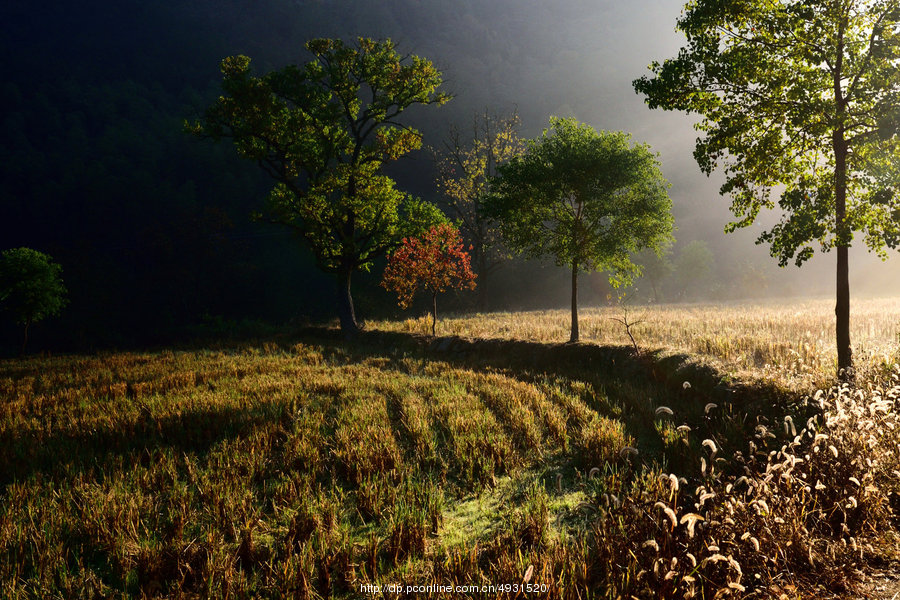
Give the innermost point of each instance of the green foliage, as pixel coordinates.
(310, 130)
(323, 131)
(465, 169)
(798, 100)
(589, 200)
(585, 198)
(31, 288)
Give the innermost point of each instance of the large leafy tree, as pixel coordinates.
(466, 164)
(587, 199)
(799, 106)
(31, 288)
(323, 131)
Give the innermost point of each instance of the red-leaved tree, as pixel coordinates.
(433, 262)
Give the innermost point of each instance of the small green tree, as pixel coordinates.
(323, 131)
(589, 200)
(800, 100)
(31, 288)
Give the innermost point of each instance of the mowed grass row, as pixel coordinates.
(302, 470)
(792, 342)
(310, 469)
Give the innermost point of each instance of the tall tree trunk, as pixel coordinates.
(839, 146)
(345, 303)
(842, 304)
(433, 312)
(574, 336)
(842, 315)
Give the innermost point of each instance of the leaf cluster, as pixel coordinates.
(465, 168)
(588, 199)
(323, 131)
(31, 288)
(797, 100)
(434, 262)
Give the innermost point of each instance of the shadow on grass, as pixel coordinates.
(668, 371)
(627, 386)
(52, 454)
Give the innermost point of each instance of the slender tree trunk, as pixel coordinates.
(842, 304)
(574, 336)
(345, 303)
(433, 312)
(842, 315)
(839, 145)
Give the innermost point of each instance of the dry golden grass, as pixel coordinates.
(301, 469)
(791, 342)
(307, 468)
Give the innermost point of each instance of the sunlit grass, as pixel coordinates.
(308, 467)
(792, 342)
(238, 472)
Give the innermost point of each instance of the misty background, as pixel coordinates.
(152, 226)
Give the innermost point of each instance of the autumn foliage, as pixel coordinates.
(434, 262)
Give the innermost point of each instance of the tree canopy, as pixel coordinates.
(466, 164)
(799, 101)
(589, 200)
(434, 262)
(323, 131)
(31, 288)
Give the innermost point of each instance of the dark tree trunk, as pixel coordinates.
(842, 315)
(574, 336)
(345, 303)
(433, 312)
(839, 146)
(842, 304)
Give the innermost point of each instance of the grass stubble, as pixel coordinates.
(307, 468)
